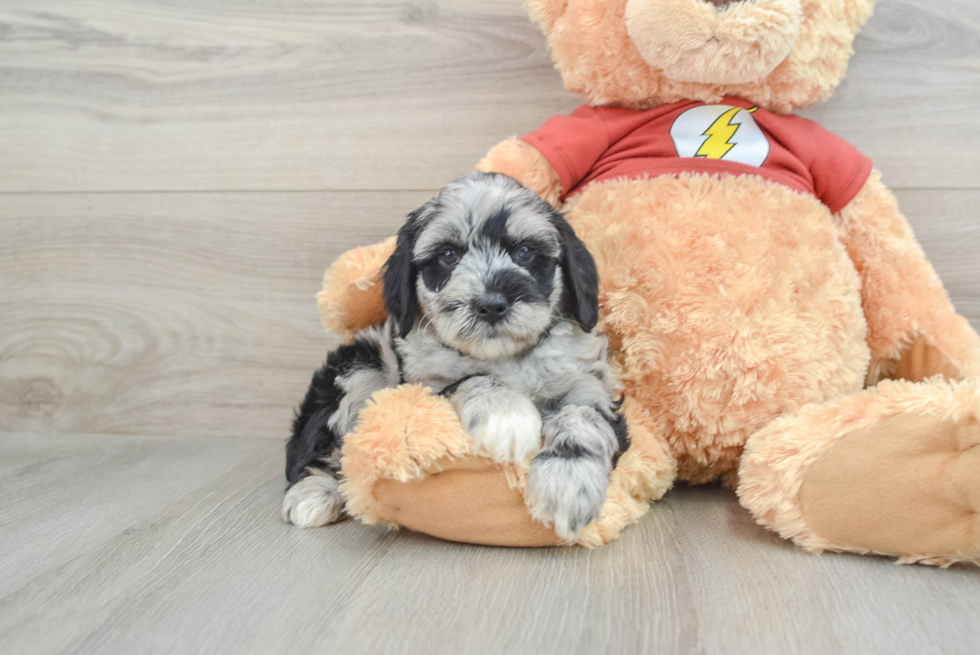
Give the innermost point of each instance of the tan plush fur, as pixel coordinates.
(741, 315)
(525, 164)
(694, 42)
(778, 457)
(408, 442)
(351, 296)
(711, 347)
(599, 61)
(902, 295)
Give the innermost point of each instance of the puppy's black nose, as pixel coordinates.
(492, 307)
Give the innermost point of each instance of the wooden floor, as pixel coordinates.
(174, 177)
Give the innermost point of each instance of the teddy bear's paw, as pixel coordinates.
(504, 422)
(905, 485)
(566, 493)
(313, 501)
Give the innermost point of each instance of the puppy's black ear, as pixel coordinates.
(579, 276)
(401, 299)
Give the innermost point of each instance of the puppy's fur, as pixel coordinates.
(491, 301)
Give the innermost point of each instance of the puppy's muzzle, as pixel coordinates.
(492, 307)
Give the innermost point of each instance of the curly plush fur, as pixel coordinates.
(597, 58)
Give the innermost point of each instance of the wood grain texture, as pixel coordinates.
(171, 313)
(366, 94)
(907, 94)
(193, 314)
(947, 227)
(192, 558)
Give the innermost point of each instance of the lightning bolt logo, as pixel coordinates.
(719, 134)
(731, 136)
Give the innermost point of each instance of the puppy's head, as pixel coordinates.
(489, 266)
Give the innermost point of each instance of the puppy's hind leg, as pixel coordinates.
(313, 501)
(337, 393)
(312, 469)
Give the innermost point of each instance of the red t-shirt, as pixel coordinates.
(602, 143)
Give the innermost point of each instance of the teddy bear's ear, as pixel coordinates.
(546, 12)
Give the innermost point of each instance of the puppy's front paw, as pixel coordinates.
(566, 493)
(567, 481)
(313, 501)
(504, 422)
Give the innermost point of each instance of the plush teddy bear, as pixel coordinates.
(773, 320)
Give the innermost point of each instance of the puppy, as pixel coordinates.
(491, 301)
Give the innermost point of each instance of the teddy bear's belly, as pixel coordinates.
(727, 303)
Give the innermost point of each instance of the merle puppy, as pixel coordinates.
(491, 301)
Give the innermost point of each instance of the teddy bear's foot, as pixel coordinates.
(894, 470)
(910, 484)
(410, 463)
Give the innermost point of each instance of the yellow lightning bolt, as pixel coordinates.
(717, 145)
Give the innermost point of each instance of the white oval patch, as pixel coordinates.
(720, 132)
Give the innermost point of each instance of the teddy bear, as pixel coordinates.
(773, 320)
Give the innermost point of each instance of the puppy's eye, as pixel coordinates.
(524, 254)
(448, 257)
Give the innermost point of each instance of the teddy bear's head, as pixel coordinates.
(779, 54)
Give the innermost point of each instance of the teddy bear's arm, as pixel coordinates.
(351, 299)
(913, 330)
(527, 165)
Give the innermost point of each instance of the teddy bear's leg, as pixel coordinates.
(913, 330)
(410, 463)
(891, 470)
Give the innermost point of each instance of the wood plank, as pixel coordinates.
(151, 314)
(264, 95)
(758, 593)
(68, 492)
(157, 518)
(168, 95)
(946, 225)
(194, 313)
(155, 555)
